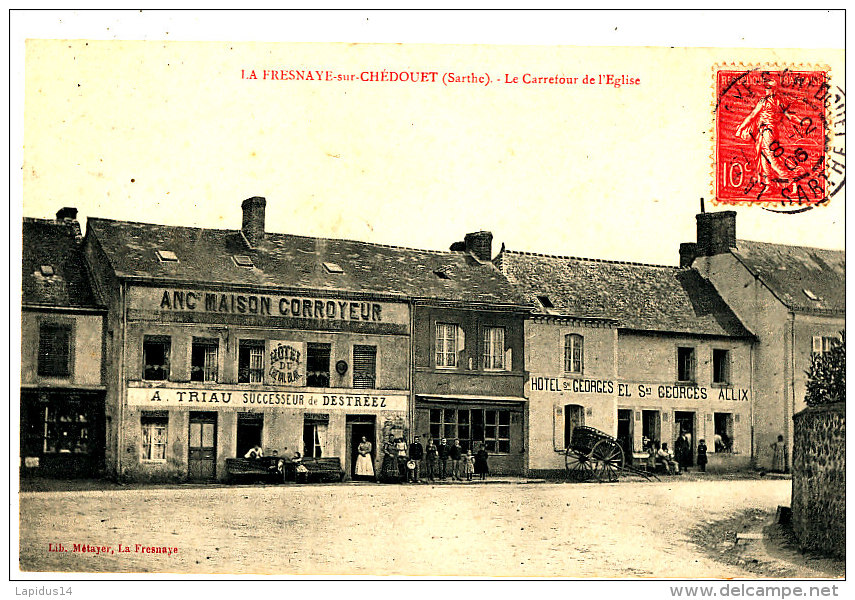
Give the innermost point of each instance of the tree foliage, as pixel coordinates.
(826, 382)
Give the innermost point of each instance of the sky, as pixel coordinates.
(172, 131)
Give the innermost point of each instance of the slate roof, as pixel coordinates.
(54, 244)
(297, 262)
(790, 270)
(638, 296)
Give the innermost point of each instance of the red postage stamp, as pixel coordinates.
(770, 137)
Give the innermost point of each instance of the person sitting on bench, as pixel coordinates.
(664, 457)
(254, 452)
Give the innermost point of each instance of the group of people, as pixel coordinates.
(403, 463)
(678, 461)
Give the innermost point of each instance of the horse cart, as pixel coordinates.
(595, 455)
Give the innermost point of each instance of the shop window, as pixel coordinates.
(473, 427)
(66, 430)
(447, 344)
(822, 344)
(723, 441)
(318, 365)
(721, 366)
(686, 365)
(249, 430)
(251, 361)
(574, 416)
(494, 348)
(203, 360)
(154, 436)
(314, 436)
(574, 345)
(364, 367)
(650, 428)
(156, 357)
(54, 350)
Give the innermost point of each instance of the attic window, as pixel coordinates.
(46, 270)
(811, 295)
(545, 302)
(444, 272)
(242, 260)
(167, 256)
(333, 268)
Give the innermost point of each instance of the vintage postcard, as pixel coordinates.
(479, 310)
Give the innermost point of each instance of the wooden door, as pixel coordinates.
(202, 463)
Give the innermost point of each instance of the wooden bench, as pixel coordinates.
(315, 470)
(266, 467)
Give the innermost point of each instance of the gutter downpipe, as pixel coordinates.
(120, 387)
(411, 409)
(753, 399)
(788, 419)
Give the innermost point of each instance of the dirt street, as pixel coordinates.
(579, 530)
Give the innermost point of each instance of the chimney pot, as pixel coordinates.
(68, 212)
(480, 245)
(253, 220)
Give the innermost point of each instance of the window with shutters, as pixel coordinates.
(447, 335)
(364, 367)
(686, 365)
(822, 344)
(203, 360)
(156, 357)
(251, 361)
(574, 345)
(318, 365)
(494, 348)
(54, 358)
(154, 437)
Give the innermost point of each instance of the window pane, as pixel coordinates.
(504, 417)
(450, 431)
(504, 446)
(450, 415)
(195, 435)
(318, 365)
(490, 445)
(434, 430)
(490, 417)
(463, 416)
(435, 415)
(504, 431)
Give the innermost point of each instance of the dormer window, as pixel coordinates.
(242, 260)
(167, 256)
(332, 267)
(444, 272)
(46, 270)
(811, 295)
(545, 302)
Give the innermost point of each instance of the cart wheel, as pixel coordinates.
(607, 458)
(579, 466)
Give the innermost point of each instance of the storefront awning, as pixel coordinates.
(471, 398)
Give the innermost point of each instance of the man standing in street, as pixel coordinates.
(455, 453)
(442, 451)
(416, 454)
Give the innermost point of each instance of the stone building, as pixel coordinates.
(62, 378)
(469, 372)
(639, 351)
(219, 340)
(792, 298)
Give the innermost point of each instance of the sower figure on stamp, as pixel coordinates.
(764, 126)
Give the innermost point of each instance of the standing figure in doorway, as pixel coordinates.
(702, 455)
(431, 458)
(364, 463)
(682, 451)
(481, 467)
(779, 456)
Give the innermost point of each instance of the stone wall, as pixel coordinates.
(819, 479)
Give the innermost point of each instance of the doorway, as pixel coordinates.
(685, 421)
(650, 427)
(574, 416)
(249, 428)
(624, 432)
(202, 461)
(359, 426)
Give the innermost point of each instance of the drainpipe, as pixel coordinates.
(411, 409)
(120, 386)
(788, 418)
(751, 405)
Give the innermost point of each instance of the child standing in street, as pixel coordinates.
(468, 465)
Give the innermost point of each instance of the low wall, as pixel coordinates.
(819, 479)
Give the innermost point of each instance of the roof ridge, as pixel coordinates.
(292, 235)
(596, 260)
(788, 245)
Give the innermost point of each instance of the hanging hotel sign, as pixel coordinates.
(657, 391)
(268, 399)
(264, 305)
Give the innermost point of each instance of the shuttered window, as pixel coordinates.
(364, 367)
(54, 349)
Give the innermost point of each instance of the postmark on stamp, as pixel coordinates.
(773, 137)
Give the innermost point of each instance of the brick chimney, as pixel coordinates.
(479, 245)
(688, 253)
(67, 213)
(253, 220)
(716, 233)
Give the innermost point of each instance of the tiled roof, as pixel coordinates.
(638, 296)
(795, 273)
(297, 262)
(53, 267)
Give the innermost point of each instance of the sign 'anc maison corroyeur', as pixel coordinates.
(319, 308)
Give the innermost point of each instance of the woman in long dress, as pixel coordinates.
(779, 456)
(364, 463)
(389, 469)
